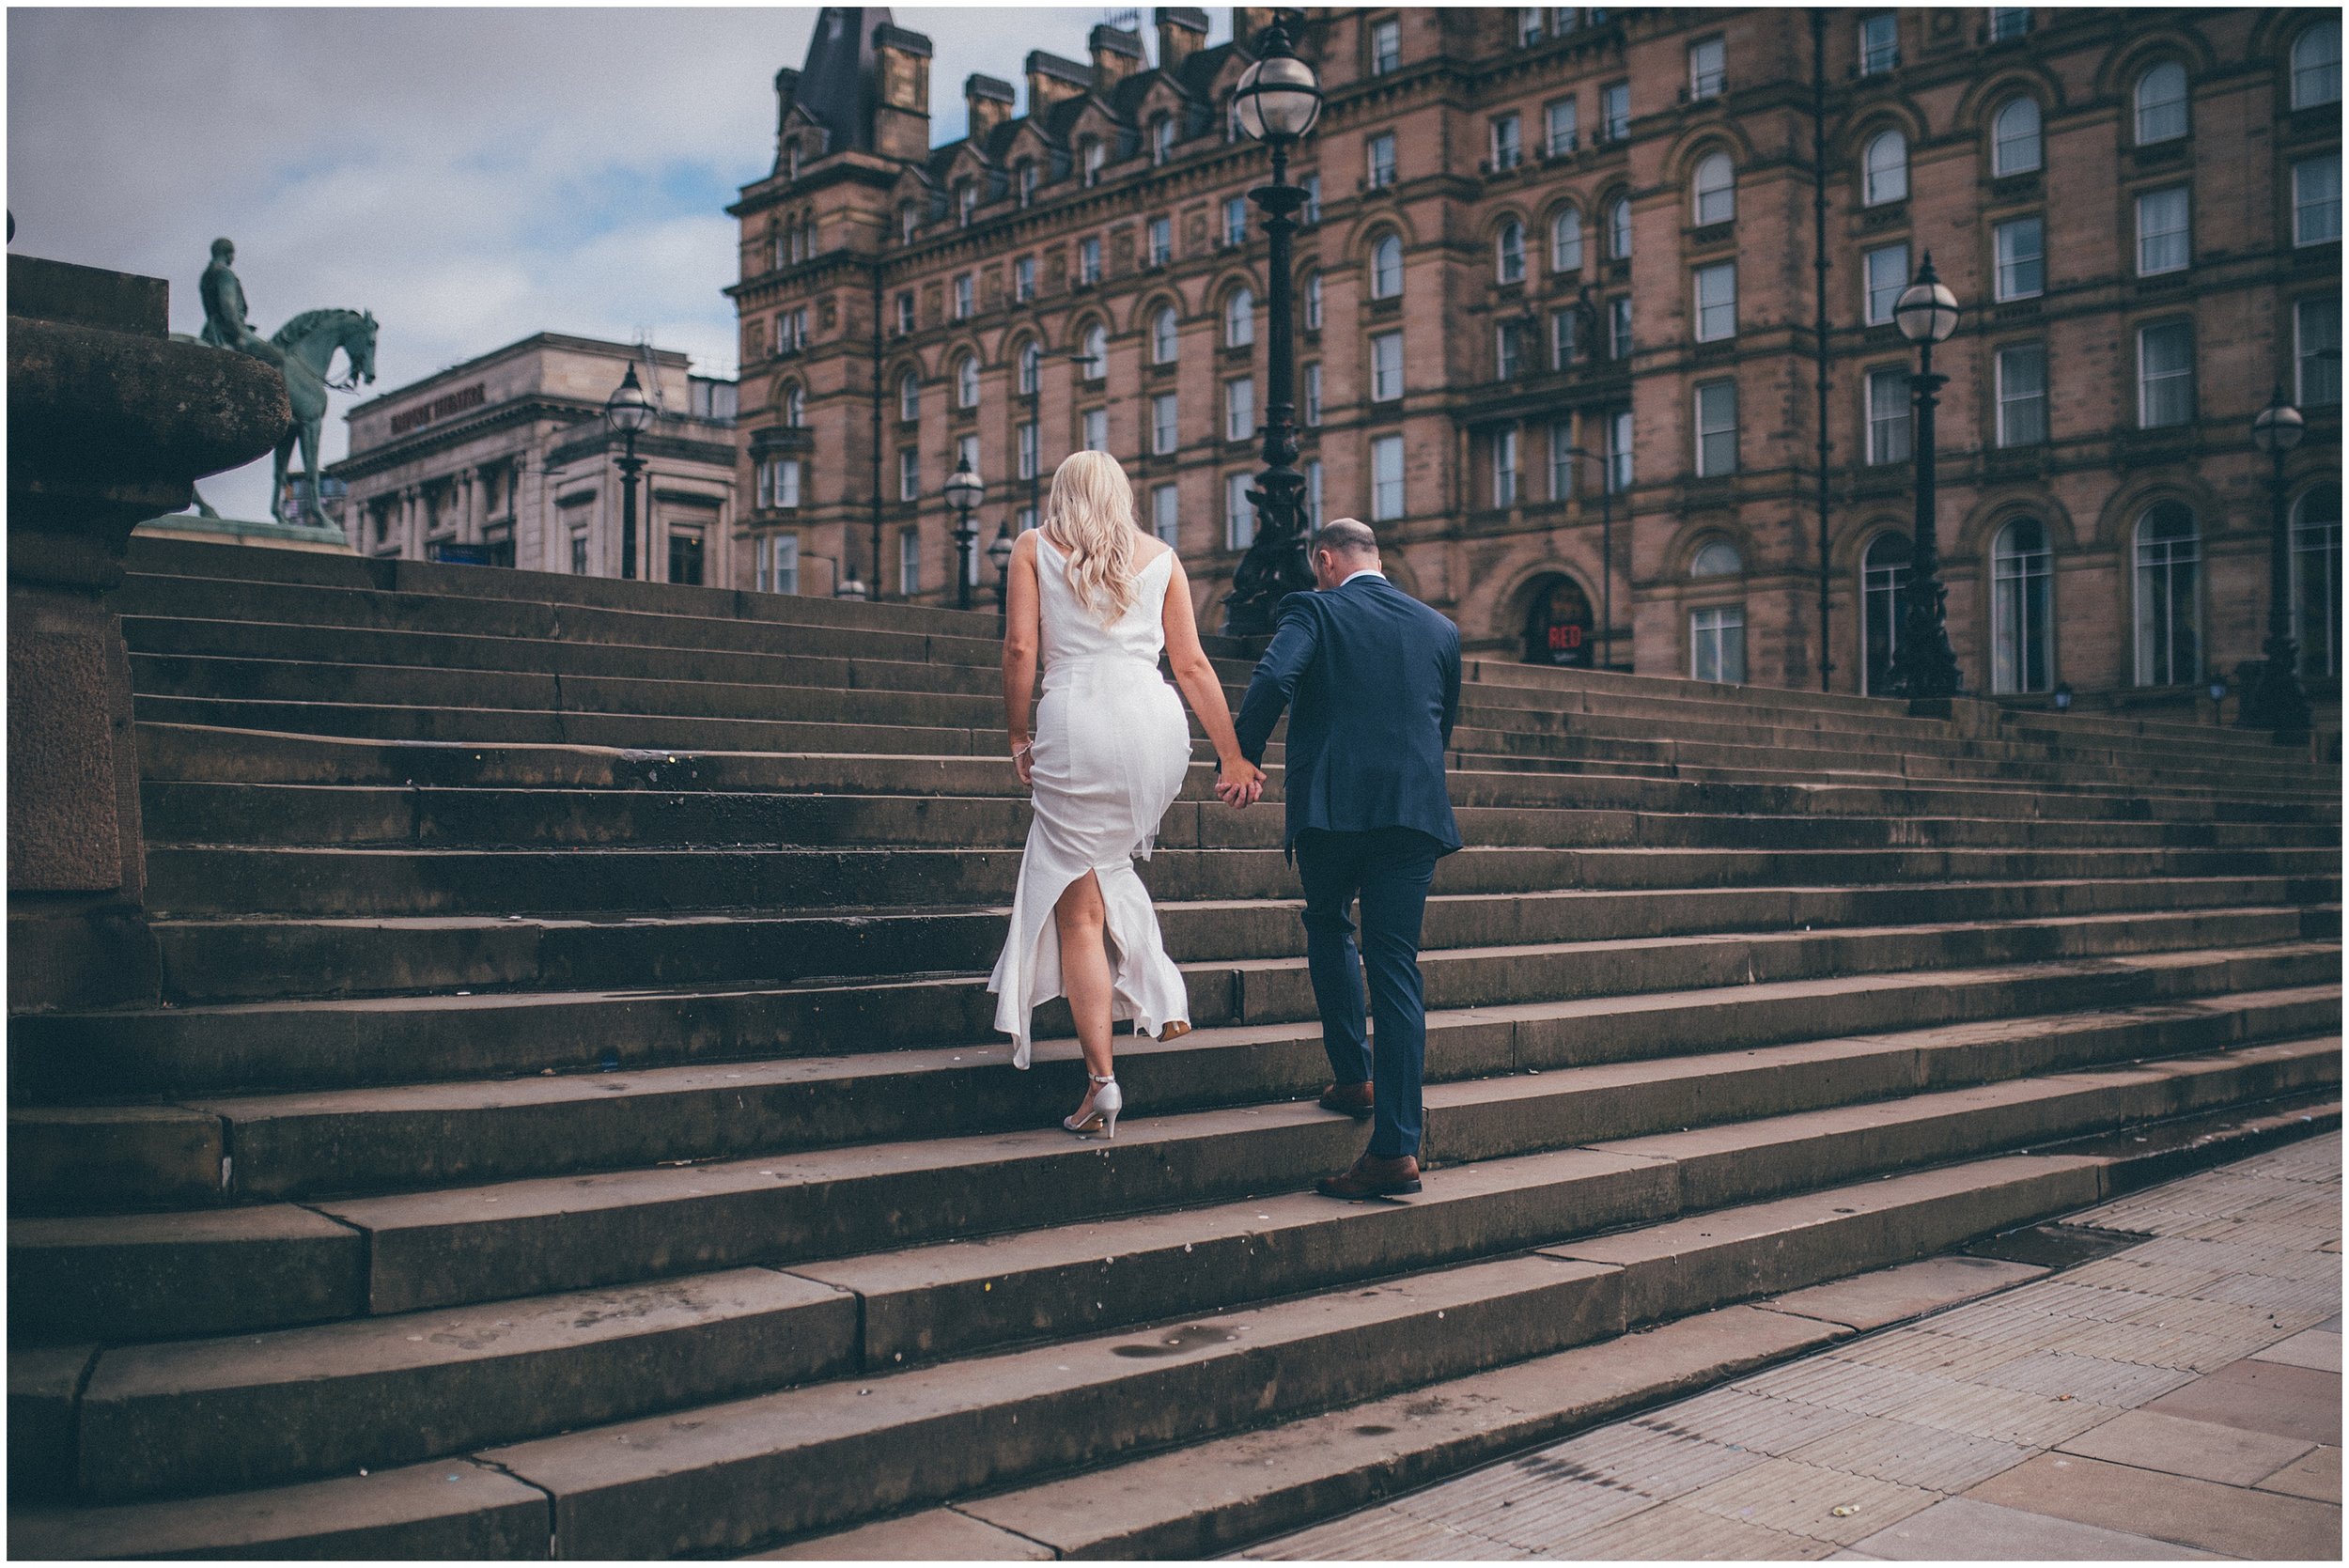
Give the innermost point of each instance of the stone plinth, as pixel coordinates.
(110, 422)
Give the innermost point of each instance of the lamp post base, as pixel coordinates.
(2276, 702)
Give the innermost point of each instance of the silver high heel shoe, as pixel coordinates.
(1106, 1103)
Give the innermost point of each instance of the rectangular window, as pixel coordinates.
(1164, 436)
(1709, 69)
(780, 566)
(1560, 339)
(779, 483)
(2316, 200)
(1559, 132)
(1888, 421)
(1507, 150)
(1886, 275)
(967, 452)
(1314, 516)
(1386, 46)
(1239, 517)
(1027, 519)
(1561, 459)
(1097, 430)
(2161, 231)
(1619, 451)
(1386, 367)
(2008, 23)
(1879, 43)
(1163, 517)
(1505, 466)
(1161, 241)
(1614, 111)
(1717, 429)
(2021, 246)
(1095, 154)
(1311, 213)
(1529, 24)
(1717, 643)
(962, 297)
(1312, 303)
(1505, 351)
(1239, 409)
(1089, 260)
(1379, 150)
(1023, 278)
(1027, 448)
(2316, 351)
(2165, 375)
(908, 562)
(1235, 220)
(1619, 327)
(1716, 302)
(1386, 478)
(909, 475)
(905, 313)
(2022, 376)
(579, 556)
(1312, 394)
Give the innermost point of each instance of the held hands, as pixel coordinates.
(1240, 783)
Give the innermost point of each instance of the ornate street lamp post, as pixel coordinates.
(964, 491)
(1922, 664)
(2276, 702)
(848, 585)
(1276, 101)
(999, 556)
(627, 413)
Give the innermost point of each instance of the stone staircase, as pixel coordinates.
(572, 1124)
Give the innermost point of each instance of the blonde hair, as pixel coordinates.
(1090, 519)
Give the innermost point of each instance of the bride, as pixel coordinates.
(1106, 757)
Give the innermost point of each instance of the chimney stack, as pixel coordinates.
(901, 121)
(1182, 33)
(1248, 21)
(1116, 54)
(988, 99)
(1052, 79)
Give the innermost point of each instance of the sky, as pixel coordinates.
(471, 176)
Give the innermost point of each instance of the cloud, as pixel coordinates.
(472, 176)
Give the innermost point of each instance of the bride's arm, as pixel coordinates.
(1019, 648)
(1194, 673)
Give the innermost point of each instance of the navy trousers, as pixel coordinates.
(1389, 869)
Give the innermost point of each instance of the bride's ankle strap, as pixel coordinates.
(1099, 1078)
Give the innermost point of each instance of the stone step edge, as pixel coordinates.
(1221, 1497)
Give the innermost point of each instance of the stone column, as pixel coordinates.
(110, 422)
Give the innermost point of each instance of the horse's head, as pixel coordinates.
(359, 345)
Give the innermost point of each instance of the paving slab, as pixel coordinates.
(2152, 1441)
(2232, 1520)
(2263, 1396)
(2315, 1475)
(933, 1535)
(1964, 1529)
(2316, 1350)
(1868, 1302)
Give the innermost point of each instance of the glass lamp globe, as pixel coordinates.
(963, 488)
(998, 553)
(626, 410)
(1926, 311)
(2279, 428)
(1279, 99)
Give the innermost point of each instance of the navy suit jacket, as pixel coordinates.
(1371, 677)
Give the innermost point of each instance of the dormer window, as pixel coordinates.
(1027, 181)
(1529, 24)
(1161, 138)
(791, 157)
(1095, 155)
(908, 220)
(966, 198)
(1386, 46)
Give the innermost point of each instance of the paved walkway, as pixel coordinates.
(2179, 1397)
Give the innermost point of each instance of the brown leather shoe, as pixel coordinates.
(1370, 1177)
(1353, 1099)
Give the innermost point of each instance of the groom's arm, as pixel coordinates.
(1277, 673)
(1452, 689)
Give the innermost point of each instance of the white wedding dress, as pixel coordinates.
(1110, 747)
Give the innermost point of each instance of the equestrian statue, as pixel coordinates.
(303, 351)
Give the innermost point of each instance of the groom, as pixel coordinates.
(1372, 678)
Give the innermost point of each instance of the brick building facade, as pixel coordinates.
(1548, 246)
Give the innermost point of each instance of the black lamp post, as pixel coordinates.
(999, 556)
(1922, 663)
(846, 585)
(964, 491)
(1276, 101)
(2274, 700)
(627, 412)
(1035, 418)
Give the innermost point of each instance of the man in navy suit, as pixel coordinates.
(1371, 677)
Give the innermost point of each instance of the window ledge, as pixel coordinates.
(1709, 235)
(2177, 150)
(1885, 214)
(2016, 187)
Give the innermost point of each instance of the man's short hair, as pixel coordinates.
(1347, 537)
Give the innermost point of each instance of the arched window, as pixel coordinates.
(1096, 352)
(2015, 137)
(1619, 230)
(1312, 301)
(1715, 187)
(967, 381)
(1509, 253)
(908, 220)
(1566, 239)
(2169, 597)
(1885, 166)
(1165, 339)
(2022, 609)
(1092, 155)
(2316, 573)
(1031, 365)
(1717, 631)
(1161, 138)
(2161, 103)
(1716, 558)
(2316, 65)
(1883, 572)
(794, 406)
(1386, 267)
(908, 395)
(966, 197)
(1239, 318)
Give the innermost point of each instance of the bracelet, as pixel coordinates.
(1027, 749)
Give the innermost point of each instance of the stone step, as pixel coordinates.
(257, 957)
(727, 1477)
(196, 754)
(1211, 1499)
(214, 1415)
(189, 814)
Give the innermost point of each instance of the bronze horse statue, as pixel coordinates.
(307, 344)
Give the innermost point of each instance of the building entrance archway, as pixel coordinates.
(1559, 626)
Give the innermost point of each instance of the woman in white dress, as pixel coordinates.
(1105, 756)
